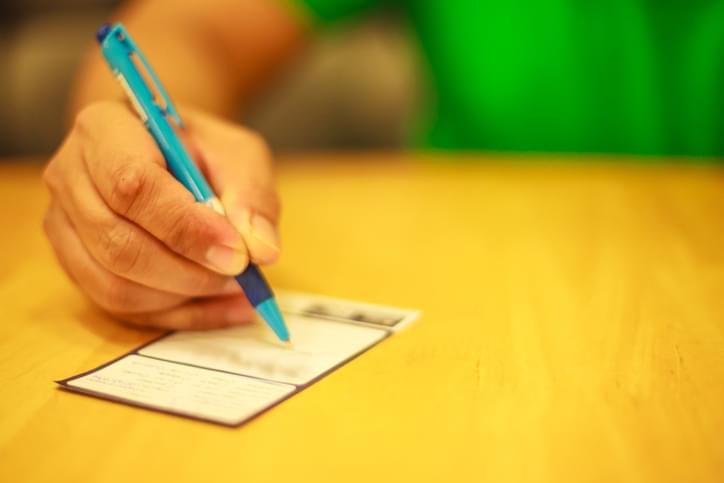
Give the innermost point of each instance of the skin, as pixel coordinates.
(124, 230)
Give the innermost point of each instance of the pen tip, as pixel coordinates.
(271, 314)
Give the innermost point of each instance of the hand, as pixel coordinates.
(133, 238)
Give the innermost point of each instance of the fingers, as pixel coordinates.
(239, 166)
(134, 184)
(109, 291)
(135, 303)
(259, 232)
(131, 252)
(199, 314)
(134, 239)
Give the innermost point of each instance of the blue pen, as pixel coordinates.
(123, 57)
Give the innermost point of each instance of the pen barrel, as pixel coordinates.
(118, 50)
(178, 159)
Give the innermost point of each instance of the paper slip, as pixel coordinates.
(228, 376)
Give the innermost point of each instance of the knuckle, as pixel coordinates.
(87, 118)
(120, 249)
(132, 188)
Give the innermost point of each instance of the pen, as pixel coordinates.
(158, 113)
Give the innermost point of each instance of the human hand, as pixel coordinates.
(134, 239)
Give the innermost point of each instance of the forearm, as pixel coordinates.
(212, 54)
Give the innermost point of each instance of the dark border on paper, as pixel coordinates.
(64, 383)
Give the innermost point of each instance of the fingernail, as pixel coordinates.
(226, 260)
(263, 230)
(261, 236)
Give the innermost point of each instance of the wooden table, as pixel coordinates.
(573, 330)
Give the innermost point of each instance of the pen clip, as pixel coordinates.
(167, 108)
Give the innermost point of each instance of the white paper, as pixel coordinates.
(201, 393)
(230, 375)
(317, 346)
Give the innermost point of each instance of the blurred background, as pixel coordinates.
(312, 106)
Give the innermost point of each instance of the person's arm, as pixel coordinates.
(126, 232)
(211, 54)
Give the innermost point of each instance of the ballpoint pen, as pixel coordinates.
(157, 113)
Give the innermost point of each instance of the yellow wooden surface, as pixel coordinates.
(573, 330)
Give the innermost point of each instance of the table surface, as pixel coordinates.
(573, 330)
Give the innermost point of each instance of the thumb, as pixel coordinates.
(238, 164)
(250, 214)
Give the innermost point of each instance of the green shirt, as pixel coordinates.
(616, 76)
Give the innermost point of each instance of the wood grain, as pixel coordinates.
(573, 330)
